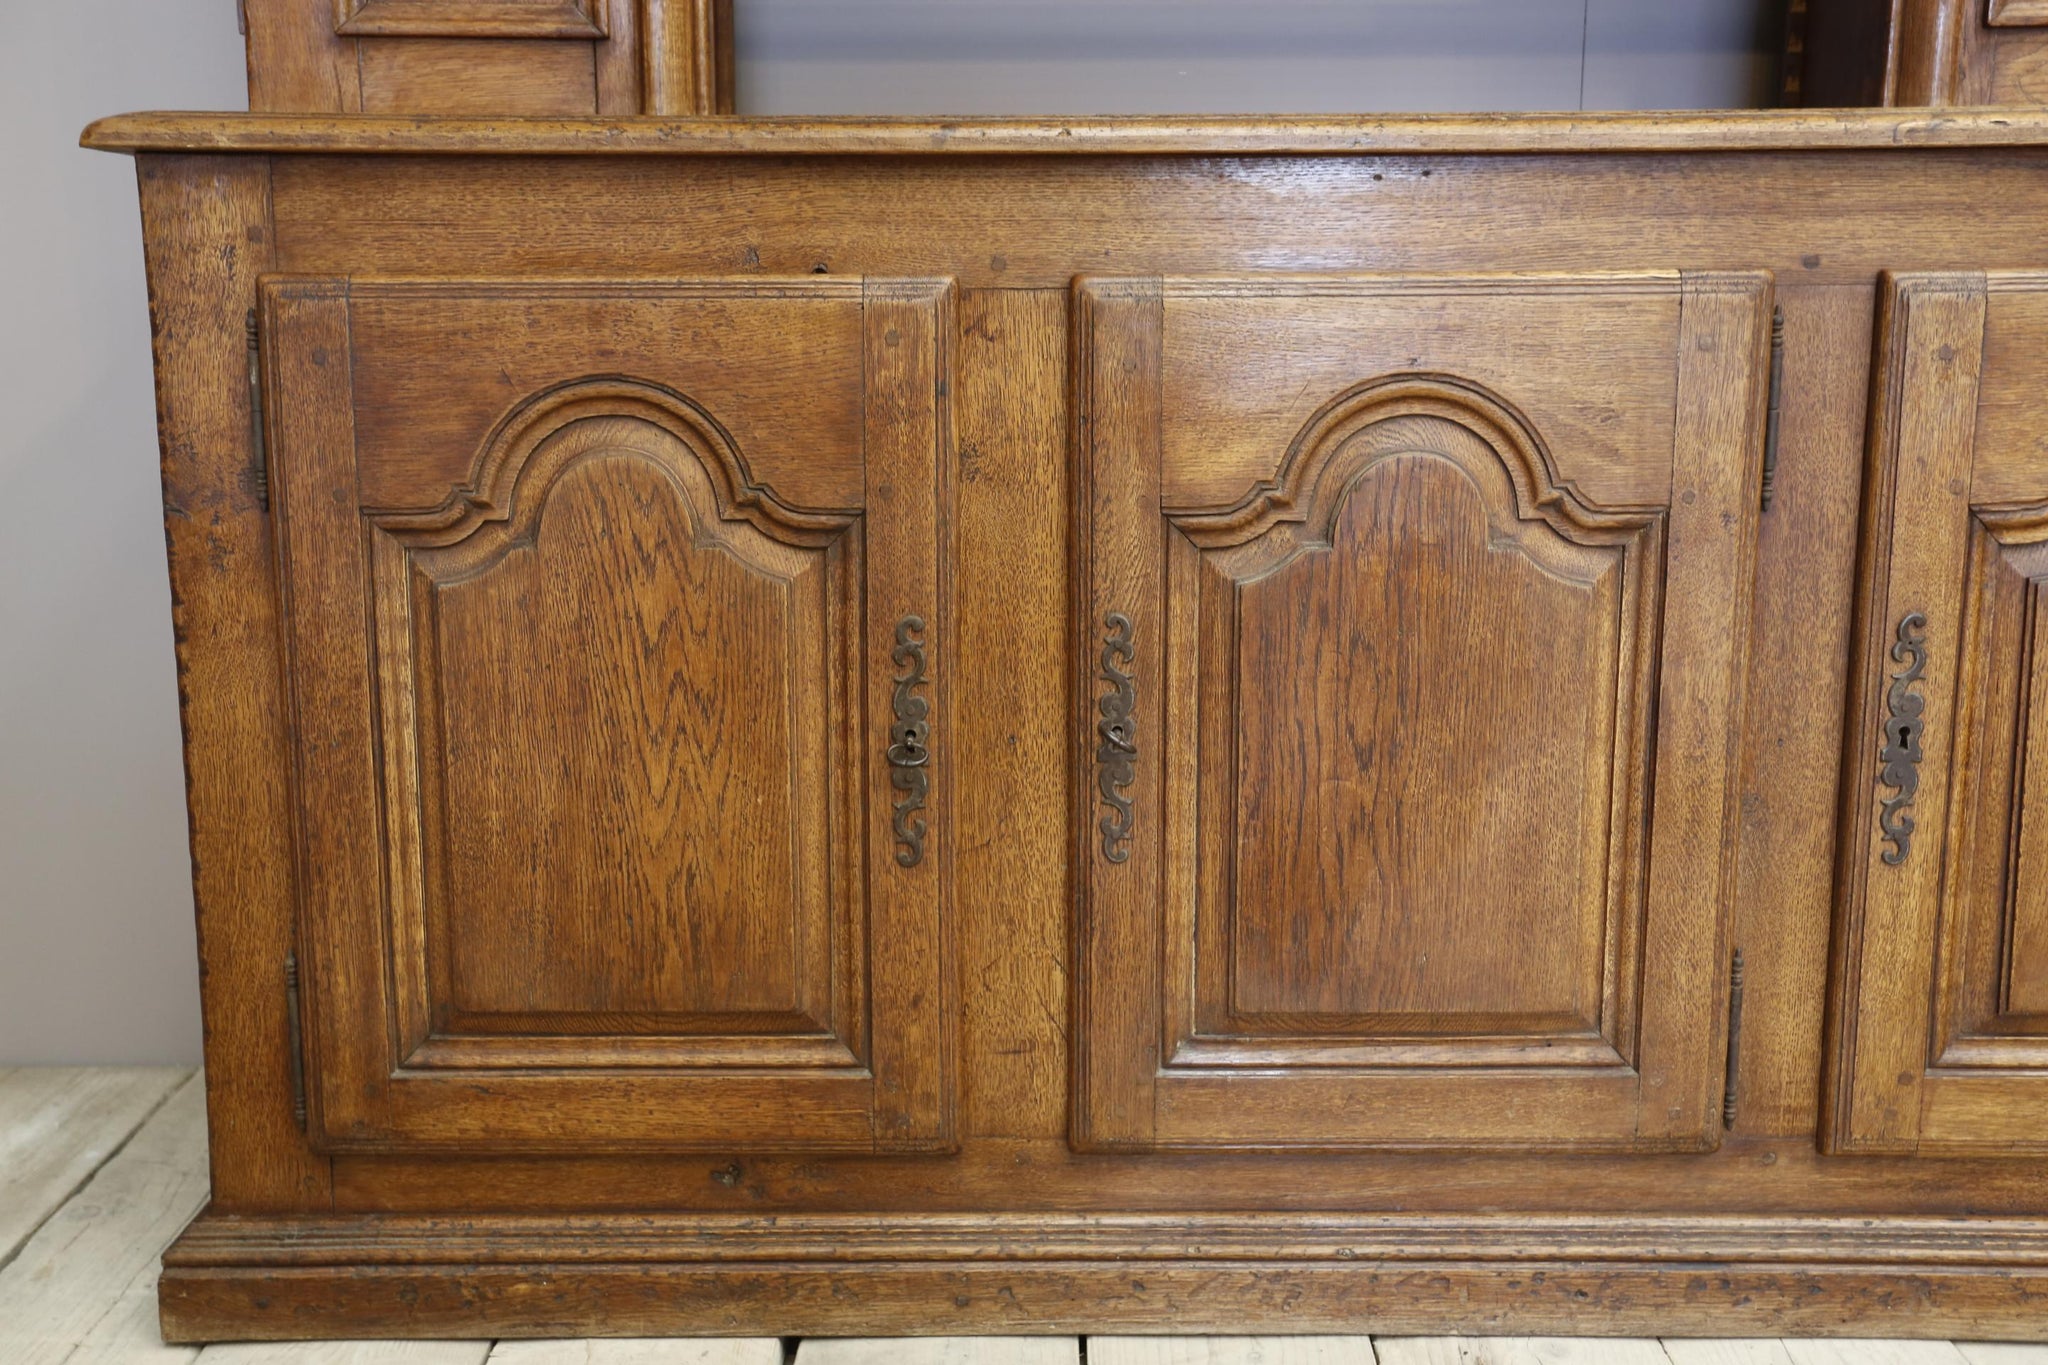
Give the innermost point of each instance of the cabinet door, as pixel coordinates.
(616, 649)
(1940, 1038)
(1413, 612)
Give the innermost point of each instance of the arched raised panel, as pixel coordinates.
(1463, 881)
(1416, 659)
(1408, 721)
(626, 703)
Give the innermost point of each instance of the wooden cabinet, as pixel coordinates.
(1420, 604)
(611, 614)
(1943, 979)
(876, 727)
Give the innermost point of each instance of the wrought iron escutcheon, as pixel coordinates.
(1904, 727)
(909, 751)
(1116, 750)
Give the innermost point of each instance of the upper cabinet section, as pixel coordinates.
(1413, 611)
(1941, 1033)
(1918, 52)
(495, 57)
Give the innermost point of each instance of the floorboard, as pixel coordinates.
(75, 1286)
(1873, 1352)
(940, 1351)
(346, 1353)
(1520, 1351)
(1230, 1351)
(2003, 1353)
(648, 1351)
(57, 1125)
(1746, 1351)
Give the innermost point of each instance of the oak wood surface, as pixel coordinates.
(127, 1332)
(955, 422)
(1415, 134)
(608, 689)
(860, 214)
(214, 238)
(528, 58)
(1331, 875)
(1945, 53)
(1942, 1009)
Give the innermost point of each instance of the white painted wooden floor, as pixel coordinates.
(100, 1167)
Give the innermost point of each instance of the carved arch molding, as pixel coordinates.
(623, 662)
(1465, 677)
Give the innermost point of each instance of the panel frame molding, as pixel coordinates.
(471, 18)
(2017, 14)
(1128, 1095)
(1292, 516)
(479, 525)
(880, 1082)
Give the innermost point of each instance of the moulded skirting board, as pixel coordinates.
(980, 1274)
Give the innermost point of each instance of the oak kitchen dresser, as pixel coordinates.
(999, 726)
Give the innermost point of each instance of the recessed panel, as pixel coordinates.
(625, 706)
(1425, 733)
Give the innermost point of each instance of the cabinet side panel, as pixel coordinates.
(207, 236)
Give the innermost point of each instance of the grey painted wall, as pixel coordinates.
(96, 945)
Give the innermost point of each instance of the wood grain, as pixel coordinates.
(1010, 489)
(1735, 1351)
(1349, 705)
(876, 350)
(643, 1351)
(346, 1353)
(472, 18)
(54, 1305)
(526, 58)
(608, 690)
(1922, 428)
(1420, 134)
(1230, 1351)
(214, 240)
(942, 1351)
(1517, 1351)
(57, 1125)
(1872, 1352)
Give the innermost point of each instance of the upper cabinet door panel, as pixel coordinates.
(613, 624)
(1414, 611)
(1941, 1035)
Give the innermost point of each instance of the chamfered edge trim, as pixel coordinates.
(1420, 134)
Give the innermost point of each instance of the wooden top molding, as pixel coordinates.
(1760, 130)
